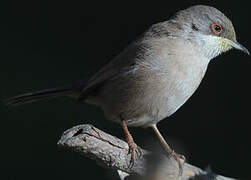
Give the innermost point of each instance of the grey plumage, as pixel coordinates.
(157, 73)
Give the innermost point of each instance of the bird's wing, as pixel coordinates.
(120, 64)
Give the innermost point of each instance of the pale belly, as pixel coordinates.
(163, 105)
(169, 100)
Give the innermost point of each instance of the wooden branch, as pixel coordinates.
(111, 152)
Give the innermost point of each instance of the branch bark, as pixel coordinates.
(111, 152)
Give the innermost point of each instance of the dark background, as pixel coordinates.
(47, 44)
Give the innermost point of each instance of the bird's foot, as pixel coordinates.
(180, 160)
(135, 152)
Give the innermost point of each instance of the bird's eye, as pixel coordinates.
(217, 28)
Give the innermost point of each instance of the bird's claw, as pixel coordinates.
(135, 152)
(180, 160)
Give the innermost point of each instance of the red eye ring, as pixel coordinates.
(217, 28)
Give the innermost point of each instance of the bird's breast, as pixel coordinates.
(182, 78)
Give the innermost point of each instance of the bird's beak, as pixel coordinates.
(238, 46)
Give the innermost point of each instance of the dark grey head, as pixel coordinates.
(209, 28)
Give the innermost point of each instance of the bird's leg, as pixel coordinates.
(167, 148)
(134, 149)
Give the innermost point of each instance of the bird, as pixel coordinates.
(154, 75)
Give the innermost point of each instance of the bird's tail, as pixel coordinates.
(69, 90)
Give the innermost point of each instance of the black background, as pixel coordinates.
(47, 44)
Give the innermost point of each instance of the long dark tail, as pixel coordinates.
(69, 90)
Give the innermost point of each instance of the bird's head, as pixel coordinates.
(210, 29)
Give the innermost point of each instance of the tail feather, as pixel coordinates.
(36, 96)
(71, 90)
